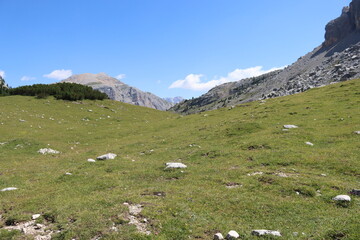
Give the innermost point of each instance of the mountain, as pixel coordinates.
(119, 91)
(337, 59)
(174, 100)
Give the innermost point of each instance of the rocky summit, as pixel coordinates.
(119, 91)
(337, 59)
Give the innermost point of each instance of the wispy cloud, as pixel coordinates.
(2, 73)
(59, 74)
(27, 78)
(120, 76)
(193, 81)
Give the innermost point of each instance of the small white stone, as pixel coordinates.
(218, 236)
(255, 173)
(266, 232)
(91, 160)
(175, 165)
(309, 143)
(107, 156)
(323, 175)
(35, 216)
(9, 189)
(232, 235)
(290, 126)
(68, 173)
(342, 198)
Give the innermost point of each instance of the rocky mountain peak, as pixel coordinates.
(348, 22)
(92, 79)
(119, 91)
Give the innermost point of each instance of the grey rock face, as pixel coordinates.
(336, 60)
(120, 91)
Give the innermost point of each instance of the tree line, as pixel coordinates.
(64, 91)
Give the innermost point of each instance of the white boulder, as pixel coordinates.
(35, 216)
(309, 143)
(264, 232)
(342, 198)
(8, 189)
(91, 160)
(290, 126)
(232, 235)
(48, 151)
(218, 236)
(107, 156)
(175, 165)
(357, 132)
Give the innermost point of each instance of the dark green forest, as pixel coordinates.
(64, 91)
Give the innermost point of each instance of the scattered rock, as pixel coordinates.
(68, 173)
(8, 189)
(135, 218)
(232, 235)
(218, 236)
(323, 175)
(265, 232)
(281, 174)
(91, 160)
(342, 198)
(35, 216)
(175, 165)
(231, 185)
(355, 192)
(309, 143)
(48, 151)
(255, 173)
(38, 231)
(107, 156)
(290, 126)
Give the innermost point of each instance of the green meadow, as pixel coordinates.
(244, 172)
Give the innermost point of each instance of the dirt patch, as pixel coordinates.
(38, 231)
(136, 219)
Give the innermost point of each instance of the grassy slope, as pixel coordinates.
(246, 139)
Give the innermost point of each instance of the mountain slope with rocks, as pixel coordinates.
(337, 59)
(119, 91)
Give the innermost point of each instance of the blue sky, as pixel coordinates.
(167, 47)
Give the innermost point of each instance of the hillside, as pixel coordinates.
(244, 171)
(119, 91)
(336, 60)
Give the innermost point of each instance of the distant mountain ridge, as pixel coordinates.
(337, 59)
(174, 100)
(119, 91)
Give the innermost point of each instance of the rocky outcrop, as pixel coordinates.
(348, 22)
(119, 91)
(337, 59)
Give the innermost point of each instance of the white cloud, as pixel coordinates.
(120, 76)
(2, 73)
(27, 78)
(193, 81)
(59, 74)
